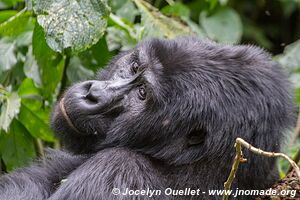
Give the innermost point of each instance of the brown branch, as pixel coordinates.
(239, 158)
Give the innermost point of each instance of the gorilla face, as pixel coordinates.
(175, 100)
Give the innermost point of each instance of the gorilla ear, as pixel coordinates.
(196, 137)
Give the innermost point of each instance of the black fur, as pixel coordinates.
(200, 96)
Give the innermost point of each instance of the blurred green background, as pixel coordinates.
(46, 45)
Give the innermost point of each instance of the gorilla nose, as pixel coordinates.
(96, 91)
(90, 96)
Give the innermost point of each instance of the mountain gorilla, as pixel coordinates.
(163, 115)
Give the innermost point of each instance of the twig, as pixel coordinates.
(239, 158)
(269, 154)
(39, 147)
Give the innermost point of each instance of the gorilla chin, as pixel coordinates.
(166, 114)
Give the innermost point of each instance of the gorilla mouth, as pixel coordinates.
(66, 116)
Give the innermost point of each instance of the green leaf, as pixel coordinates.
(74, 25)
(158, 25)
(176, 9)
(223, 26)
(195, 27)
(28, 88)
(116, 4)
(31, 96)
(122, 35)
(7, 54)
(31, 68)
(16, 147)
(97, 56)
(290, 58)
(6, 14)
(35, 125)
(32, 99)
(77, 72)
(123, 24)
(128, 11)
(9, 110)
(297, 95)
(24, 39)
(17, 24)
(51, 64)
(10, 3)
(119, 39)
(223, 2)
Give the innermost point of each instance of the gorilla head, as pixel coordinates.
(179, 101)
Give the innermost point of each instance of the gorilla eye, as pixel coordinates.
(142, 93)
(134, 67)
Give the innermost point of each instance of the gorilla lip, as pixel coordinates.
(66, 116)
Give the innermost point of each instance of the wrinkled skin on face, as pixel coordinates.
(179, 101)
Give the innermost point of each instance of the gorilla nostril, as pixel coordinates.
(88, 85)
(91, 97)
(95, 92)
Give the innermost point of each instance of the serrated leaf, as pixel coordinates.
(31, 68)
(158, 25)
(49, 62)
(7, 55)
(9, 110)
(21, 22)
(16, 147)
(35, 125)
(74, 25)
(223, 26)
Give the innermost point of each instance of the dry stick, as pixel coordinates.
(239, 158)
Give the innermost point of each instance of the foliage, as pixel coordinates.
(45, 45)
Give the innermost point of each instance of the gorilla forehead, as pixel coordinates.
(166, 64)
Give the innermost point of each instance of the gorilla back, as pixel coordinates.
(174, 108)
